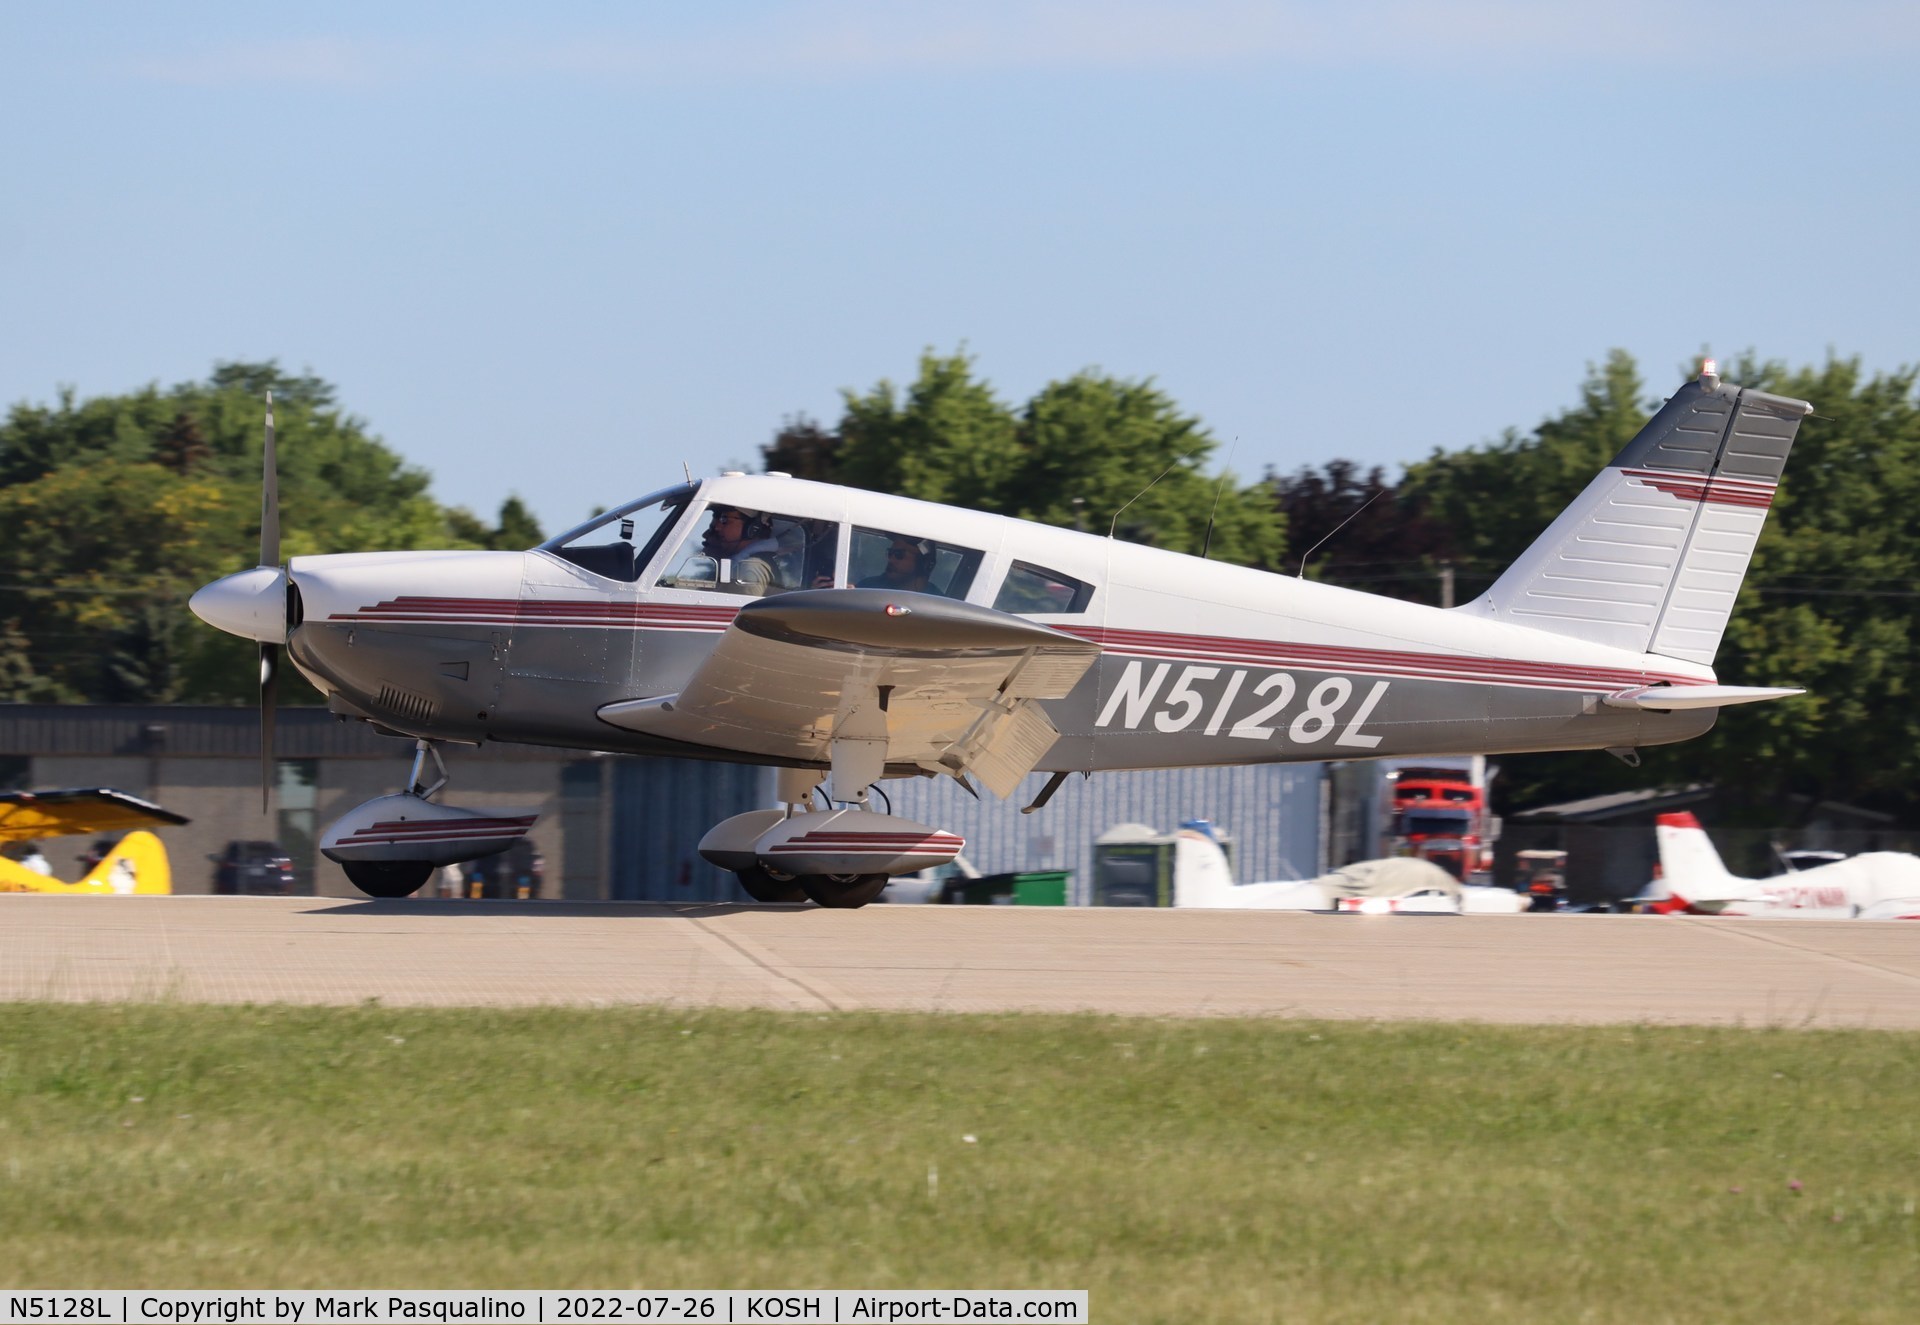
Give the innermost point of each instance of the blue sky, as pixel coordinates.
(560, 249)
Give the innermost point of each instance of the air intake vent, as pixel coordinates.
(405, 704)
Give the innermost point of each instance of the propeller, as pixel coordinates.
(269, 652)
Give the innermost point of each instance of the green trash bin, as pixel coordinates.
(1040, 888)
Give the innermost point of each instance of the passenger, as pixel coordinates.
(743, 538)
(910, 563)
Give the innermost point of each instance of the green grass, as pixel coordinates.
(1180, 1170)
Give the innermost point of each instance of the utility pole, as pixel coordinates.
(1446, 584)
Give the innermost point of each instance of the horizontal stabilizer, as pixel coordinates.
(1665, 699)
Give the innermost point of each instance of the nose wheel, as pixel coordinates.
(388, 878)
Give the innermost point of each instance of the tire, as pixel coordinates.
(843, 892)
(761, 886)
(388, 878)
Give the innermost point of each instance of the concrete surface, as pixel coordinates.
(1526, 968)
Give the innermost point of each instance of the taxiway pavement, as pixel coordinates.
(1646, 969)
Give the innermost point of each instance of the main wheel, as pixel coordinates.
(387, 878)
(843, 891)
(761, 885)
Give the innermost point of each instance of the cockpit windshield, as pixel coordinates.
(619, 543)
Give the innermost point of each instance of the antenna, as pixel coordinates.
(687, 469)
(1336, 529)
(1144, 491)
(1207, 542)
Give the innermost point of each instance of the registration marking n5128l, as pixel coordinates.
(1137, 695)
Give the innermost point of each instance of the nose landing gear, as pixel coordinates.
(391, 845)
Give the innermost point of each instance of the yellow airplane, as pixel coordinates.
(137, 863)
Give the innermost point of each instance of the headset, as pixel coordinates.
(754, 525)
(925, 557)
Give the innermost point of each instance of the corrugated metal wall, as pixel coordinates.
(661, 810)
(662, 807)
(1272, 811)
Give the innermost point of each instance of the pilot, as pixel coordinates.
(744, 538)
(909, 566)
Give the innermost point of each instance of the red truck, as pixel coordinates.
(1440, 816)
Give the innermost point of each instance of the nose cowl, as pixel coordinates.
(251, 604)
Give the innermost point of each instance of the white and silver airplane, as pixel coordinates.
(847, 637)
(1880, 885)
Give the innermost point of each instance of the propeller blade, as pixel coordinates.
(269, 696)
(269, 653)
(269, 497)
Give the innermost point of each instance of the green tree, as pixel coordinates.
(115, 508)
(1083, 451)
(1828, 602)
(1497, 498)
(516, 530)
(1110, 454)
(1351, 527)
(946, 438)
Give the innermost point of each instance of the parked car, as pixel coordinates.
(253, 867)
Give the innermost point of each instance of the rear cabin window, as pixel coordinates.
(1031, 590)
(885, 559)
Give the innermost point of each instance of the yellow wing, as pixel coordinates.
(26, 815)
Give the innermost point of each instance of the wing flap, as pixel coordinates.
(955, 685)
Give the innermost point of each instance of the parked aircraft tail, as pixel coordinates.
(1691, 869)
(1650, 556)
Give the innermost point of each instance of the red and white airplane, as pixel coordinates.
(849, 637)
(1880, 885)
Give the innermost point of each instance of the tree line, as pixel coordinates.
(114, 509)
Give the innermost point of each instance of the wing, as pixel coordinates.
(25, 815)
(870, 680)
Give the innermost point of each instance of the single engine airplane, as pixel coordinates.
(846, 637)
(1880, 885)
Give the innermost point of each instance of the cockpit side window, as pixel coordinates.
(1031, 590)
(754, 553)
(618, 545)
(886, 559)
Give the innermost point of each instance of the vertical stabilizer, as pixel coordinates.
(1690, 867)
(1650, 557)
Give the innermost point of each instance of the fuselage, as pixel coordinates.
(1202, 663)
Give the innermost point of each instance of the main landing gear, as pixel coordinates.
(840, 891)
(838, 858)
